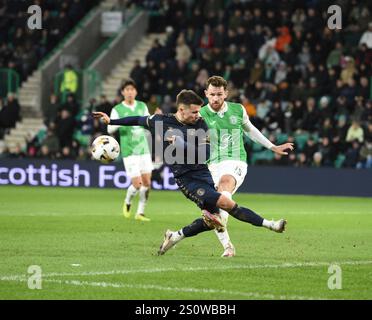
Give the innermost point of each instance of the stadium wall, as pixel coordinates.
(279, 180)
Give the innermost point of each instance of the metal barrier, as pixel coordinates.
(9, 82)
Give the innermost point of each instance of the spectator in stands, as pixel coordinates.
(67, 153)
(310, 118)
(334, 57)
(51, 141)
(284, 39)
(17, 152)
(104, 105)
(301, 161)
(352, 155)
(65, 124)
(10, 112)
(71, 105)
(183, 52)
(365, 155)
(367, 37)
(327, 151)
(317, 160)
(51, 111)
(355, 132)
(137, 74)
(70, 81)
(44, 152)
(310, 148)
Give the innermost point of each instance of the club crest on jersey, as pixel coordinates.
(233, 120)
(200, 192)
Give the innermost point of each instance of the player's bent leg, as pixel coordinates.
(143, 197)
(224, 237)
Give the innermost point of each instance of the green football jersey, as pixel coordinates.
(132, 138)
(226, 132)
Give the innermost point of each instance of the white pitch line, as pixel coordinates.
(192, 269)
(177, 289)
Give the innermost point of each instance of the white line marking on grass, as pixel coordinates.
(177, 289)
(192, 269)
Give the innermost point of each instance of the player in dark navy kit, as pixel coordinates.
(185, 150)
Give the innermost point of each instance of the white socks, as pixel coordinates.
(143, 195)
(177, 235)
(267, 224)
(131, 192)
(224, 237)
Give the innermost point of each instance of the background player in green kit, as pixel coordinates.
(134, 150)
(227, 122)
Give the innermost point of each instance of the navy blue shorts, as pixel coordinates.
(198, 186)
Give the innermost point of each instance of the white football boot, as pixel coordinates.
(168, 242)
(278, 226)
(229, 251)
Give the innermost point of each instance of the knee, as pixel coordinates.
(227, 183)
(225, 203)
(146, 184)
(136, 183)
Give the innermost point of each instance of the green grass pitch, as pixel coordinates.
(87, 250)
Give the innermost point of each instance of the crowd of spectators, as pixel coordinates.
(296, 77)
(21, 48)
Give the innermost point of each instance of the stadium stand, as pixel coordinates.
(298, 80)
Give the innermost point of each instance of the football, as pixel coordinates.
(105, 149)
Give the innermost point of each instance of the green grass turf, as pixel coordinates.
(57, 228)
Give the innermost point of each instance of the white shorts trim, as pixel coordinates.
(235, 168)
(137, 165)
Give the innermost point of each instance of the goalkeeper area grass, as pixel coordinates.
(84, 248)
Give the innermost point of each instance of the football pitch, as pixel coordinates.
(85, 249)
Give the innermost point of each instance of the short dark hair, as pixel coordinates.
(188, 97)
(216, 81)
(128, 82)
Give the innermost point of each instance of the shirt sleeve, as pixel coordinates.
(150, 120)
(147, 113)
(130, 121)
(254, 133)
(111, 129)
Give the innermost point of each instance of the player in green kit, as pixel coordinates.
(134, 150)
(228, 122)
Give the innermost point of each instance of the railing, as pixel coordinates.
(9, 82)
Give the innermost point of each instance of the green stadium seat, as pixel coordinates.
(301, 139)
(83, 139)
(281, 138)
(264, 156)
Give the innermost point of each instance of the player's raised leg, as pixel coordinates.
(247, 215)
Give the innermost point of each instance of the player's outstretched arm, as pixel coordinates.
(127, 121)
(258, 137)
